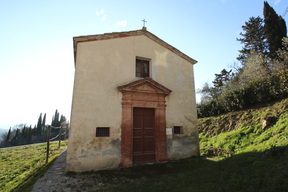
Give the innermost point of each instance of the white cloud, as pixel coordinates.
(122, 23)
(104, 17)
(101, 12)
(277, 2)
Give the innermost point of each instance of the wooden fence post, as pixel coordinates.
(48, 140)
(60, 137)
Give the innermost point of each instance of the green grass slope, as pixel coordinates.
(21, 167)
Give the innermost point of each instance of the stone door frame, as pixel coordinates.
(144, 93)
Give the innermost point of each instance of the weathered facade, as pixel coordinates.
(133, 102)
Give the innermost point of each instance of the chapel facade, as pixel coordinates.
(133, 102)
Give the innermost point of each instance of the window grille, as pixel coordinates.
(177, 129)
(102, 132)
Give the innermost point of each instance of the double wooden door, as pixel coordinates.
(143, 135)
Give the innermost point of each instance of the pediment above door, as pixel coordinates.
(146, 85)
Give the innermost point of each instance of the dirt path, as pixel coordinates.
(54, 179)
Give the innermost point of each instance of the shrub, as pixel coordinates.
(261, 90)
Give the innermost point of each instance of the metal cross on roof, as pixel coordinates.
(144, 22)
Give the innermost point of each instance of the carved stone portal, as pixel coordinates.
(144, 93)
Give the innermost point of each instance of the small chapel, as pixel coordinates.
(133, 102)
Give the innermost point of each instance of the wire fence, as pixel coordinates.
(63, 126)
(57, 136)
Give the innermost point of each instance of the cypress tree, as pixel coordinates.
(39, 124)
(8, 136)
(253, 39)
(29, 134)
(55, 119)
(34, 130)
(44, 120)
(62, 119)
(24, 132)
(275, 29)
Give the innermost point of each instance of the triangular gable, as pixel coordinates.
(146, 85)
(114, 35)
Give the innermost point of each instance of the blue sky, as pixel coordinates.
(36, 61)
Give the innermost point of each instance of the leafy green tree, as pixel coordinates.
(281, 62)
(221, 78)
(257, 67)
(209, 92)
(253, 39)
(275, 29)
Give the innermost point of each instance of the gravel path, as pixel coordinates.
(54, 179)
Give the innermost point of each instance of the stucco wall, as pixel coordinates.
(102, 66)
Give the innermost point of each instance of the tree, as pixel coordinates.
(221, 78)
(209, 92)
(55, 119)
(257, 66)
(44, 120)
(253, 39)
(275, 29)
(34, 130)
(39, 124)
(8, 136)
(281, 62)
(29, 134)
(24, 131)
(62, 119)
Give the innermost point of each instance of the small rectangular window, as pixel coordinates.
(102, 132)
(177, 130)
(142, 68)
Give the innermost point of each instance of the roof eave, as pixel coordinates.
(114, 35)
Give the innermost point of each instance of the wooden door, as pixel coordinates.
(143, 135)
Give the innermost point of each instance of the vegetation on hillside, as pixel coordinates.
(264, 54)
(21, 167)
(22, 134)
(261, 90)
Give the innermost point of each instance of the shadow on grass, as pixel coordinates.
(27, 184)
(252, 171)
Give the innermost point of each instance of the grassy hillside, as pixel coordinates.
(252, 130)
(21, 167)
(246, 151)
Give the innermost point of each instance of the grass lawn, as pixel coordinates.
(21, 167)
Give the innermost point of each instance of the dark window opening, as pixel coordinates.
(177, 130)
(102, 132)
(142, 68)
